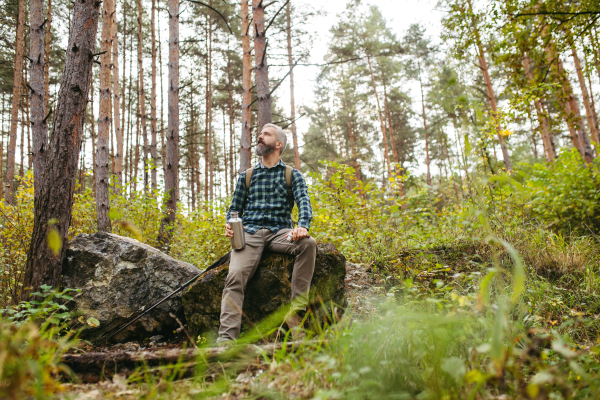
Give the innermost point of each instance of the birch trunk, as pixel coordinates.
(16, 97)
(246, 138)
(53, 210)
(38, 93)
(172, 163)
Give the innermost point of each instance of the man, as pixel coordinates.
(267, 220)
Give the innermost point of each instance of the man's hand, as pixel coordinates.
(298, 233)
(228, 231)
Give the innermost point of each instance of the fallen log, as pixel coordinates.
(95, 366)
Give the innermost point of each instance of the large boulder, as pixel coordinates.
(267, 291)
(118, 277)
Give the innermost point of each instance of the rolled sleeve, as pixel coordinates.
(300, 190)
(239, 197)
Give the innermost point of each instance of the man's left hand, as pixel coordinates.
(298, 233)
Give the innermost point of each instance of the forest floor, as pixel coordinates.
(362, 293)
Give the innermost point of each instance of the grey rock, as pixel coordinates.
(120, 276)
(267, 291)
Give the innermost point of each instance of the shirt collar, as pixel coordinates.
(261, 165)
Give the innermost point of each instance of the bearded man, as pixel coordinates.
(267, 218)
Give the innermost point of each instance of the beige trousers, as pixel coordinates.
(243, 265)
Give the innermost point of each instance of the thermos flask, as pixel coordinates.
(238, 241)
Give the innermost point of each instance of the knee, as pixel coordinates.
(235, 279)
(309, 244)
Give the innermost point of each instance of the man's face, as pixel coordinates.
(267, 142)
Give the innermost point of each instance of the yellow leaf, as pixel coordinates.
(533, 390)
(54, 241)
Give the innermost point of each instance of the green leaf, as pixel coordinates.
(93, 322)
(114, 214)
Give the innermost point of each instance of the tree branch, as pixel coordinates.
(206, 5)
(276, 14)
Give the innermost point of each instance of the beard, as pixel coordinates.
(263, 149)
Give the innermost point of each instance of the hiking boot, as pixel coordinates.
(294, 323)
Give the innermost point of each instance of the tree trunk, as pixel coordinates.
(209, 111)
(292, 103)
(549, 148)
(53, 210)
(230, 109)
(93, 135)
(172, 168)
(246, 138)
(391, 127)
(386, 155)
(153, 99)
(427, 159)
(16, 97)
(162, 100)
(38, 93)
(142, 93)
(566, 100)
(586, 97)
(48, 39)
(104, 120)
(262, 68)
(118, 160)
(490, 91)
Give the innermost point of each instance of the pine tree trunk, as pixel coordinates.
(48, 40)
(153, 100)
(191, 142)
(262, 68)
(38, 93)
(566, 100)
(104, 120)
(16, 97)
(547, 141)
(142, 93)
(172, 168)
(93, 135)
(586, 97)
(386, 155)
(118, 127)
(292, 102)
(162, 97)
(391, 127)
(53, 210)
(427, 159)
(246, 138)
(209, 110)
(490, 91)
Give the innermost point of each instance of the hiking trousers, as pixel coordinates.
(243, 264)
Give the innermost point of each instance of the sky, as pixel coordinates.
(400, 14)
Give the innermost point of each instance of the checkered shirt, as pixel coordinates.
(267, 205)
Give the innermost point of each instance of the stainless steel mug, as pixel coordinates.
(238, 241)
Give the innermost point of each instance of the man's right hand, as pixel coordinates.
(228, 231)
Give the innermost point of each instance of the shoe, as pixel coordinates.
(294, 323)
(224, 343)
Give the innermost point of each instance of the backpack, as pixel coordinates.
(288, 181)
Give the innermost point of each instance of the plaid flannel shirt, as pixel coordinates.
(267, 205)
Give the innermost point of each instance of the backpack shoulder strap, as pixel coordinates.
(288, 180)
(249, 173)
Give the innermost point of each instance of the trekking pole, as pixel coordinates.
(216, 264)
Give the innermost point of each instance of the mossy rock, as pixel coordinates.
(267, 291)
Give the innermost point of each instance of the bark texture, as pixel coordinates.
(246, 138)
(56, 197)
(118, 160)
(292, 102)
(153, 132)
(172, 153)
(262, 69)
(142, 92)
(16, 96)
(104, 119)
(38, 93)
